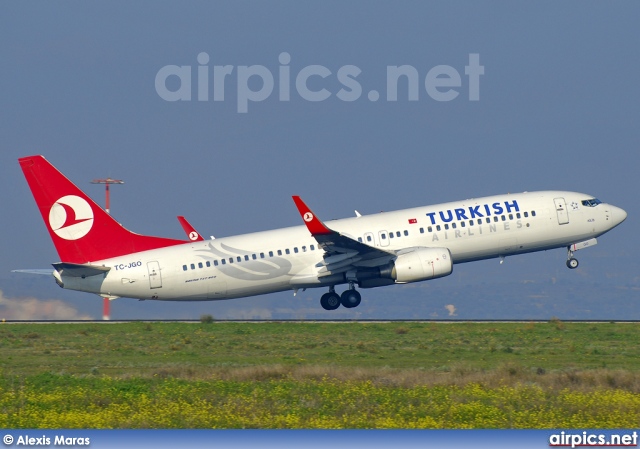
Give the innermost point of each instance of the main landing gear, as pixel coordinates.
(349, 298)
(572, 262)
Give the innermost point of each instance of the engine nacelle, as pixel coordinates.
(419, 264)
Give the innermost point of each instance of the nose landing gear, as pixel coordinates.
(572, 262)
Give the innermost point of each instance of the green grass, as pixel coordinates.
(302, 375)
(143, 348)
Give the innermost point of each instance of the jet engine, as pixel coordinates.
(419, 264)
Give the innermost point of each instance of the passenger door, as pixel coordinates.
(561, 211)
(155, 278)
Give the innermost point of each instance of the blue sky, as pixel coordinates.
(558, 108)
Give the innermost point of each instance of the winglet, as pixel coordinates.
(314, 224)
(193, 235)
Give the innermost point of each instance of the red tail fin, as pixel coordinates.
(80, 229)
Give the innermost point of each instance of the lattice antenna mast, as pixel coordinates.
(106, 306)
(107, 182)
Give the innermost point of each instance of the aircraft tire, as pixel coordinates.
(350, 298)
(572, 263)
(330, 301)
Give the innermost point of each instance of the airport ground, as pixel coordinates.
(320, 375)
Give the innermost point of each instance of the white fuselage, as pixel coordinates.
(289, 258)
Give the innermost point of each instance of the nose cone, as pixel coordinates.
(618, 215)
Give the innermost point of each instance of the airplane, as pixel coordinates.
(98, 255)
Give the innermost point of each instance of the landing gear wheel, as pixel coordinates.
(572, 263)
(350, 298)
(330, 301)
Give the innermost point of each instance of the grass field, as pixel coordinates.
(320, 375)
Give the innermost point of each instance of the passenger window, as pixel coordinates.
(230, 259)
(199, 264)
(286, 251)
(397, 233)
(270, 253)
(313, 248)
(446, 226)
(304, 249)
(360, 239)
(526, 215)
(295, 249)
(254, 257)
(453, 225)
(193, 266)
(208, 264)
(533, 213)
(368, 238)
(504, 218)
(383, 236)
(462, 224)
(184, 268)
(495, 219)
(487, 220)
(246, 257)
(437, 227)
(215, 263)
(224, 261)
(430, 229)
(279, 252)
(470, 222)
(518, 215)
(510, 216)
(391, 235)
(421, 230)
(406, 233)
(261, 255)
(239, 259)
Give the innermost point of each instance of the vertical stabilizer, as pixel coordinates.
(80, 229)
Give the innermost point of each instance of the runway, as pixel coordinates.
(318, 321)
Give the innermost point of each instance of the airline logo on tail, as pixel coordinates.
(71, 217)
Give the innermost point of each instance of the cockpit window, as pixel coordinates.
(593, 202)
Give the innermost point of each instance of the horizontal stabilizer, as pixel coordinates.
(79, 270)
(41, 271)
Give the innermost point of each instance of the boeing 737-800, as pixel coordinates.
(98, 255)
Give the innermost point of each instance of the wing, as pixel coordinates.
(342, 253)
